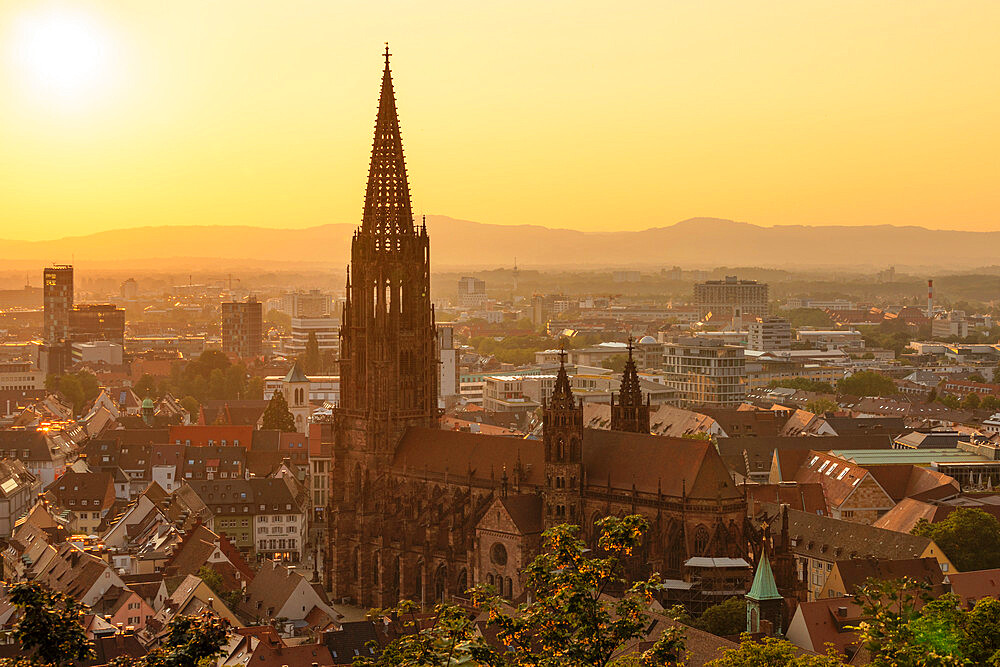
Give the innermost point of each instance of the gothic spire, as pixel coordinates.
(387, 200)
(629, 393)
(562, 394)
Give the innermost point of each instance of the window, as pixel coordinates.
(823, 467)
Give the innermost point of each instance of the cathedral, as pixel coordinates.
(422, 513)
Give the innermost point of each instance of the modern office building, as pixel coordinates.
(57, 298)
(471, 292)
(97, 321)
(722, 297)
(327, 330)
(242, 327)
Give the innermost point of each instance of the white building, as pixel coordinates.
(20, 376)
(770, 333)
(321, 387)
(705, 372)
(448, 368)
(846, 339)
(327, 330)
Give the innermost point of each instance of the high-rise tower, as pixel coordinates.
(388, 365)
(562, 436)
(630, 413)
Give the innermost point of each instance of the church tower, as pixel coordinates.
(562, 435)
(388, 363)
(630, 413)
(295, 386)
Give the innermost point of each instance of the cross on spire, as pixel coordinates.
(387, 54)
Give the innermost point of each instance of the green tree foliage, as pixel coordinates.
(278, 319)
(79, 388)
(969, 537)
(276, 415)
(50, 625)
(192, 641)
(211, 376)
(950, 401)
(989, 403)
(807, 317)
(804, 384)
(971, 401)
(867, 383)
(569, 622)
(146, 386)
(615, 362)
(821, 406)
(214, 581)
(772, 652)
(190, 403)
(312, 361)
(724, 619)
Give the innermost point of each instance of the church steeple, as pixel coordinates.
(387, 213)
(562, 435)
(388, 357)
(630, 413)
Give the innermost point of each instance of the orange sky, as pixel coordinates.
(589, 115)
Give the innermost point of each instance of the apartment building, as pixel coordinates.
(704, 372)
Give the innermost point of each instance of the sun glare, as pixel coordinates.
(62, 54)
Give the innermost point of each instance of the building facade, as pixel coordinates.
(422, 513)
(97, 321)
(242, 328)
(705, 372)
(723, 297)
(770, 333)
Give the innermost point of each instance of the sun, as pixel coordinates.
(63, 54)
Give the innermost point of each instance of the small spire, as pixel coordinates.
(387, 54)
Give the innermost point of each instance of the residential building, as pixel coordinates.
(851, 575)
(44, 459)
(242, 328)
(448, 356)
(311, 304)
(321, 387)
(723, 297)
(471, 292)
(280, 592)
(89, 495)
(770, 333)
(704, 372)
(20, 376)
(263, 515)
(818, 542)
(18, 490)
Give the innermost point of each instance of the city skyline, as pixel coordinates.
(790, 114)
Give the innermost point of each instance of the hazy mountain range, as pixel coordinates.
(698, 242)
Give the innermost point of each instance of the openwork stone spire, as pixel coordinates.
(387, 213)
(629, 393)
(630, 413)
(562, 393)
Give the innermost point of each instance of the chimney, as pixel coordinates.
(930, 299)
(842, 612)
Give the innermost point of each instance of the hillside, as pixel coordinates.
(698, 242)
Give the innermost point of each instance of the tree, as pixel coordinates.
(191, 404)
(867, 383)
(50, 625)
(772, 652)
(971, 401)
(146, 386)
(989, 402)
(214, 581)
(615, 362)
(568, 620)
(805, 384)
(191, 641)
(821, 406)
(976, 377)
(276, 415)
(969, 537)
(949, 401)
(724, 619)
(312, 361)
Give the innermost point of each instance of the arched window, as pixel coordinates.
(489, 579)
(701, 539)
(462, 584)
(375, 577)
(498, 554)
(510, 588)
(561, 449)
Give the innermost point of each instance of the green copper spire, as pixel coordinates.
(764, 587)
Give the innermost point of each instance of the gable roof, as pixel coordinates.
(525, 511)
(650, 463)
(856, 571)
